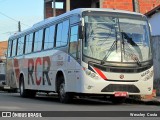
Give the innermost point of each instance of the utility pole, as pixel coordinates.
(101, 3)
(54, 8)
(68, 7)
(136, 5)
(19, 26)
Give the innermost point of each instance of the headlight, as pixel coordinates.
(88, 72)
(91, 74)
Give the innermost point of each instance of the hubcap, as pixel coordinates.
(21, 88)
(62, 90)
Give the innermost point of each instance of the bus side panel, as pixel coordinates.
(10, 74)
(38, 72)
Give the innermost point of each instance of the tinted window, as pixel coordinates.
(29, 41)
(73, 41)
(59, 35)
(9, 48)
(74, 19)
(65, 33)
(14, 47)
(62, 33)
(49, 37)
(20, 46)
(38, 40)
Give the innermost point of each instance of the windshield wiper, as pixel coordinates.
(135, 58)
(132, 55)
(109, 51)
(131, 42)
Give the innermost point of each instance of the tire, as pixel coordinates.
(64, 97)
(118, 100)
(23, 92)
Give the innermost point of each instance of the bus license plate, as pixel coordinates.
(121, 94)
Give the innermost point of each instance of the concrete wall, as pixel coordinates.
(154, 21)
(156, 62)
(144, 5)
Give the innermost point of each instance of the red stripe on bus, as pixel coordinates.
(16, 68)
(38, 61)
(100, 73)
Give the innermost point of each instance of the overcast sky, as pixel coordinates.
(28, 12)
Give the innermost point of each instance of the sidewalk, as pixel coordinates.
(158, 98)
(153, 101)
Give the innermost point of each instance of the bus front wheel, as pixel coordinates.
(64, 96)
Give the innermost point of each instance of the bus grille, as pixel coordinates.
(121, 87)
(120, 69)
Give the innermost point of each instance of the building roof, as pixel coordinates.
(153, 11)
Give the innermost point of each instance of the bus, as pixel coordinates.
(2, 75)
(84, 52)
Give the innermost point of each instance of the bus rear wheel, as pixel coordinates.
(64, 96)
(23, 92)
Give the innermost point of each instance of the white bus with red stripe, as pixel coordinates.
(83, 52)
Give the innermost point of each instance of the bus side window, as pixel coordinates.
(20, 46)
(74, 45)
(74, 19)
(29, 41)
(49, 37)
(59, 35)
(38, 41)
(14, 47)
(62, 33)
(9, 48)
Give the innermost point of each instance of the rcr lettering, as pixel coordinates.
(33, 70)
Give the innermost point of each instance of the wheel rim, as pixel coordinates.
(62, 91)
(21, 88)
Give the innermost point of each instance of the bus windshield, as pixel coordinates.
(116, 39)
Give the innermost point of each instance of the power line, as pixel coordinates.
(13, 19)
(9, 32)
(8, 17)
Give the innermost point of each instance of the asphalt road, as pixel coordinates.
(13, 102)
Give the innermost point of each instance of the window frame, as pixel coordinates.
(42, 39)
(23, 45)
(10, 54)
(77, 41)
(54, 36)
(15, 47)
(27, 44)
(61, 22)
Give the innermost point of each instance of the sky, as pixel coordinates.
(28, 12)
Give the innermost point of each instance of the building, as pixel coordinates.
(154, 18)
(3, 49)
(51, 7)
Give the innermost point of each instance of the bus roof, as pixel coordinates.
(75, 11)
